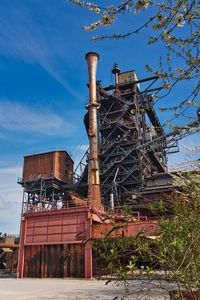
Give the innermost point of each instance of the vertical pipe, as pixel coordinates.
(88, 248)
(21, 254)
(116, 72)
(94, 198)
(12, 265)
(112, 203)
(20, 264)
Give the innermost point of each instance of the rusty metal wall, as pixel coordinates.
(56, 227)
(63, 166)
(126, 77)
(54, 261)
(56, 164)
(148, 228)
(52, 244)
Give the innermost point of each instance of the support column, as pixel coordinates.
(88, 246)
(88, 260)
(20, 266)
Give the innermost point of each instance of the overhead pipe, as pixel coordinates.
(94, 198)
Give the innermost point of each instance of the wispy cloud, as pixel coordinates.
(16, 117)
(82, 147)
(36, 42)
(11, 170)
(189, 153)
(3, 203)
(10, 199)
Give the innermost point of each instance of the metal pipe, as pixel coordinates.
(116, 72)
(112, 203)
(94, 198)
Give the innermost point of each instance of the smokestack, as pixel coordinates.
(116, 72)
(94, 197)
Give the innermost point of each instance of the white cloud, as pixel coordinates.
(11, 170)
(2, 203)
(10, 199)
(16, 117)
(189, 153)
(26, 39)
(82, 147)
(78, 153)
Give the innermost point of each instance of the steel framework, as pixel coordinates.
(43, 194)
(122, 130)
(133, 145)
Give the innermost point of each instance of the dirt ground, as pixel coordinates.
(72, 289)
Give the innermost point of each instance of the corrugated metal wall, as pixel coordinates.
(57, 164)
(51, 261)
(57, 227)
(52, 244)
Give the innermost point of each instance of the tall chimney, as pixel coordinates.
(116, 72)
(94, 197)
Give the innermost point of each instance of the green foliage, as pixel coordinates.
(179, 242)
(176, 250)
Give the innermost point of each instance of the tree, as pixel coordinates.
(175, 24)
(175, 251)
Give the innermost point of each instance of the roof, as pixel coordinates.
(48, 152)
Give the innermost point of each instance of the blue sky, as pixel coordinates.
(43, 85)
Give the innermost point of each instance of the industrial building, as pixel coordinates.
(9, 245)
(64, 209)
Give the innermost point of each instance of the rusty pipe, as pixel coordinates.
(116, 72)
(94, 197)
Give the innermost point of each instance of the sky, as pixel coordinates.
(43, 88)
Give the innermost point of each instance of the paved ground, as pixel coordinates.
(72, 289)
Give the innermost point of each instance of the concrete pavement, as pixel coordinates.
(76, 289)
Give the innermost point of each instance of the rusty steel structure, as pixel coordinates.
(93, 161)
(124, 129)
(46, 179)
(9, 245)
(126, 163)
(133, 145)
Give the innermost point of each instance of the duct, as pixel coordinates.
(76, 200)
(94, 198)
